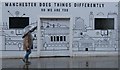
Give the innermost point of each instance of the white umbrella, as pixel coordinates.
(29, 28)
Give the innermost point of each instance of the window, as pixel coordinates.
(64, 38)
(61, 38)
(57, 38)
(54, 38)
(51, 38)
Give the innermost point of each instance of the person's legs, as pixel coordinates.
(26, 57)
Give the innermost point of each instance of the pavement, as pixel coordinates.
(63, 62)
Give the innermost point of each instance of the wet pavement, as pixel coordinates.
(63, 62)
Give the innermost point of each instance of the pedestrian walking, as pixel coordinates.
(28, 43)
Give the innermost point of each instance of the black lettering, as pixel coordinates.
(102, 5)
(23, 4)
(6, 4)
(65, 10)
(17, 4)
(82, 4)
(20, 4)
(42, 10)
(34, 4)
(29, 4)
(88, 5)
(46, 4)
(91, 4)
(10, 4)
(55, 4)
(85, 4)
(63, 5)
(50, 10)
(74, 4)
(69, 4)
(26, 4)
(66, 4)
(49, 4)
(40, 4)
(94, 5)
(13, 4)
(97, 4)
(43, 4)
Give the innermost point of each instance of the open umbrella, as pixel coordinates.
(29, 28)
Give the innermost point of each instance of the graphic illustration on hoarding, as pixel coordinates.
(71, 27)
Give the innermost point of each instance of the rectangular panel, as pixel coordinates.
(18, 22)
(104, 23)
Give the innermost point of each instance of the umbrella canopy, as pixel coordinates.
(29, 28)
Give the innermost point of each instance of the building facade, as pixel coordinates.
(64, 28)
